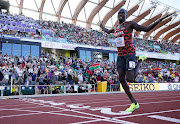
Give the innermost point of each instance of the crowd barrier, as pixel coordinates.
(84, 88)
(45, 89)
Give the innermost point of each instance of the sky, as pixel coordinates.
(173, 3)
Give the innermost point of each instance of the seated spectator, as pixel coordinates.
(68, 88)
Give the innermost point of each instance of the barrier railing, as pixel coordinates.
(45, 89)
(114, 87)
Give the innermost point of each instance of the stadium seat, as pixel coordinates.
(7, 91)
(24, 90)
(27, 90)
(31, 90)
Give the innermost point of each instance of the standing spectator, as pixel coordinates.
(6, 76)
(63, 77)
(1, 75)
(34, 78)
(117, 83)
(176, 79)
(80, 78)
(110, 81)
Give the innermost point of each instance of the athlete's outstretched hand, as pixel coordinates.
(168, 15)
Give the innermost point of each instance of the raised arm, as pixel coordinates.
(106, 30)
(138, 27)
(148, 28)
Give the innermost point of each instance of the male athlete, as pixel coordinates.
(126, 51)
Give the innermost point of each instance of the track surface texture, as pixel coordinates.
(155, 108)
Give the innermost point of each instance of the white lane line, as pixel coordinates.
(115, 121)
(165, 118)
(14, 105)
(103, 118)
(110, 98)
(146, 103)
(120, 100)
(18, 115)
(113, 100)
(54, 113)
(129, 104)
(2, 109)
(176, 110)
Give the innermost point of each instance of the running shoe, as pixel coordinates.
(132, 107)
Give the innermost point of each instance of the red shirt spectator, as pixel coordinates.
(90, 72)
(98, 78)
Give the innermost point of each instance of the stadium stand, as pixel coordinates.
(22, 26)
(50, 70)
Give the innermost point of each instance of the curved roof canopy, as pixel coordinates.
(87, 13)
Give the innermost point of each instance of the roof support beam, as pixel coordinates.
(158, 26)
(41, 9)
(150, 21)
(130, 12)
(112, 12)
(141, 16)
(78, 10)
(21, 6)
(170, 34)
(166, 29)
(177, 37)
(60, 9)
(94, 12)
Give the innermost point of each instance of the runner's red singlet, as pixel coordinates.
(128, 49)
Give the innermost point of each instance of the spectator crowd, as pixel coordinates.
(50, 69)
(22, 26)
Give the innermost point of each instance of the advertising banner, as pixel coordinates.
(61, 43)
(169, 86)
(142, 87)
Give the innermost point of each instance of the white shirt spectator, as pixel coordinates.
(70, 71)
(57, 73)
(168, 73)
(80, 77)
(20, 72)
(52, 67)
(6, 74)
(30, 70)
(20, 59)
(176, 79)
(61, 66)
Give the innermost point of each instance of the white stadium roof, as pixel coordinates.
(87, 13)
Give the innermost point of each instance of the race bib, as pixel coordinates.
(120, 42)
(131, 64)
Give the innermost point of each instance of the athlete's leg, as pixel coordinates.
(121, 67)
(125, 85)
(130, 76)
(130, 67)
